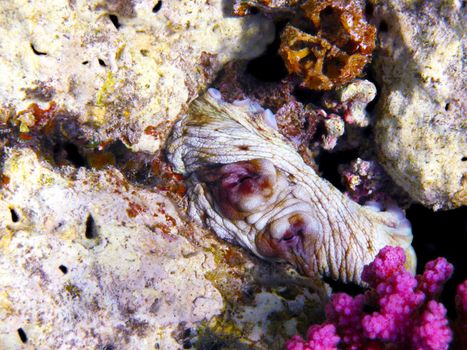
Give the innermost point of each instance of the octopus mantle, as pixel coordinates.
(250, 186)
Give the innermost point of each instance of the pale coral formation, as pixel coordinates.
(88, 263)
(118, 67)
(421, 123)
(89, 260)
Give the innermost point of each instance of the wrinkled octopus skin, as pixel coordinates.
(249, 185)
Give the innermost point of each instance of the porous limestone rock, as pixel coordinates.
(119, 66)
(421, 123)
(89, 261)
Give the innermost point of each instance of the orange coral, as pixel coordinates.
(339, 50)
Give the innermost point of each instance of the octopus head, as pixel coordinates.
(241, 188)
(252, 188)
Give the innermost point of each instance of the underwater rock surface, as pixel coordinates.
(87, 261)
(421, 129)
(118, 67)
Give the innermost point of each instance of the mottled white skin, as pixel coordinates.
(341, 236)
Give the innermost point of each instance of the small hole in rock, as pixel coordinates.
(329, 162)
(85, 62)
(306, 96)
(269, 67)
(157, 7)
(383, 26)
(108, 347)
(114, 20)
(327, 11)
(91, 229)
(464, 159)
(338, 287)
(22, 335)
(369, 8)
(73, 155)
(254, 11)
(102, 63)
(38, 53)
(64, 269)
(14, 215)
(446, 107)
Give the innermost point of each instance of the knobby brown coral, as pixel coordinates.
(339, 49)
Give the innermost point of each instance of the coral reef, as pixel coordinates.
(98, 249)
(251, 187)
(118, 67)
(421, 113)
(407, 314)
(89, 260)
(337, 52)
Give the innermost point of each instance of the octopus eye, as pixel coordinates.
(241, 188)
(286, 234)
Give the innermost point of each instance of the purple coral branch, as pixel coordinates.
(406, 315)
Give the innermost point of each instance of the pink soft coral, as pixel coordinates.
(320, 337)
(406, 315)
(461, 306)
(432, 331)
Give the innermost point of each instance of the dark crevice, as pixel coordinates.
(38, 53)
(307, 96)
(73, 155)
(157, 7)
(442, 233)
(14, 215)
(369, 9)
(85, 62)
(64, 269)
(91, 229)
(341, 287)
(383, 26)
(269, 67)
(101, 62)
(371, 76)
(115, 21)
(254, 10)
(69, 152)
(22, 335)
(329, 163)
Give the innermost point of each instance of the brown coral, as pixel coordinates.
(338, 51)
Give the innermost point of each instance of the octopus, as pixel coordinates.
(249, 185)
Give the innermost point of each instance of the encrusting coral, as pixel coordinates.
(338, 51)
(407, 314)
